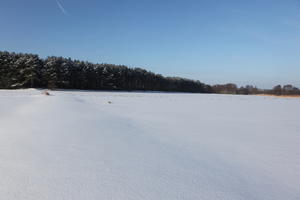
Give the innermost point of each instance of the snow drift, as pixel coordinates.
(118, 145)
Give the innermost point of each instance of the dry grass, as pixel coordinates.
(279, 96)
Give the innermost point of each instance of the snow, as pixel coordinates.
(75, 145)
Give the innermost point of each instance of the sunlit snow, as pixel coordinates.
(134, 146)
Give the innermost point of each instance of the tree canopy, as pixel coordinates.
(19, 70)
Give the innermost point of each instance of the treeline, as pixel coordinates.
(19, 70)
(231, 88)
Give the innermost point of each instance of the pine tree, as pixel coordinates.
(27, 70)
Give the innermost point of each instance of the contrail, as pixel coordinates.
(63, 10)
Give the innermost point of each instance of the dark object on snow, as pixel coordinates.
(46, 93)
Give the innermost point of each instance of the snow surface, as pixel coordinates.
(75, 145)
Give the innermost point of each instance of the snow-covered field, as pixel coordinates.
(75, 145)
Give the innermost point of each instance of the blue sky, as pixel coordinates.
(215, 41)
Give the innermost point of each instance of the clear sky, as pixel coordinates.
(215, 41)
